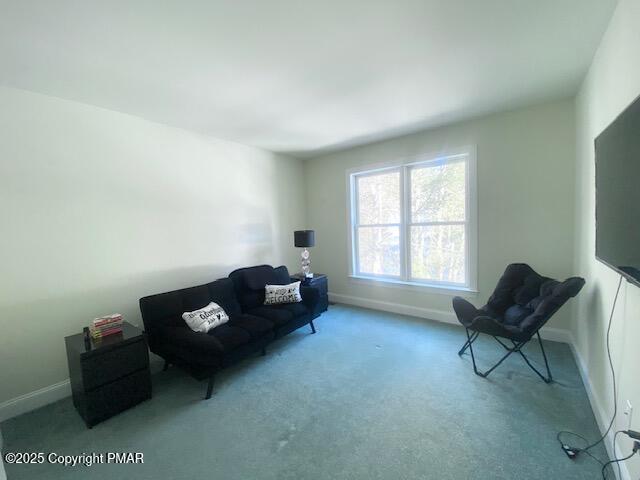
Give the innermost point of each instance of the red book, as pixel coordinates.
(106, 321)
(108, 325)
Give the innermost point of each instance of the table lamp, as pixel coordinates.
(305, 239)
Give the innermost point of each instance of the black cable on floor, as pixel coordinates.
(617, 461)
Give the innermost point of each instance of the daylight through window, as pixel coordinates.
(415, 222)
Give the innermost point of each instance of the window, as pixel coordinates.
(415, 222)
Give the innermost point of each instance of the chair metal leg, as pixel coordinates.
(546, 362)
(473, 358)
(517, 348)
(209, 387)
(506, 355)
(545, 379)
(548, 378)
(474, 335)
(313, 328)
(506, 347)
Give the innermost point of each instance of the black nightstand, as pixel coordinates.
(320, 282)
(108, 375)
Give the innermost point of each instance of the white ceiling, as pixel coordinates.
(297, 76)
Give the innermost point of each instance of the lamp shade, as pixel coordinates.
(304, 238)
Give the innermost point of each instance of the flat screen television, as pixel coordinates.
(617, 151)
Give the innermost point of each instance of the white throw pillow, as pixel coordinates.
(206, 318)
(274, 294)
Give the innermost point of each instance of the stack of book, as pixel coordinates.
(105, 326)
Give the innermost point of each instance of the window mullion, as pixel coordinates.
(355, 218)
(404, 229)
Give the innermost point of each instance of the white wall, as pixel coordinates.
(100, 208)
(525, 196)
(612, 83)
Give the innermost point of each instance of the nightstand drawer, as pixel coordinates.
(104, 367)
(106, 401)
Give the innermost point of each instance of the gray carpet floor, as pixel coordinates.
(372, 395)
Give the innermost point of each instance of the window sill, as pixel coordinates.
(416, 286)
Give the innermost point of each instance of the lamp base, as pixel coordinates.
(305, 262)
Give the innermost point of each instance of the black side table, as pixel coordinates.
(320, 282)
(108, 375)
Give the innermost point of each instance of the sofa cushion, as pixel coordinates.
(297, 309)
(195, 297)
(257, 327)
(281, 275)
(249, 283)
(252, 298)
(166, 309)
(185, 338)
(191, 356)
(161, 310)
(257, 277)
(279, 316)
(230, 336)
(216, 342)
(222, 292)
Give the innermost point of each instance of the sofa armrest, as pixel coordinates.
(310, 297)
(187, 338)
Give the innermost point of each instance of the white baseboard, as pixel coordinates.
(602, 416)
(548, 333)
(52, 393)
(32, 400)
(421, 312)
(556, 334)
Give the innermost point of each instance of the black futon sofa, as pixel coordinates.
(251, 326)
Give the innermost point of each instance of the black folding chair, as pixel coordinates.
(520, 305)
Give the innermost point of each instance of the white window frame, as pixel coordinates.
(404, 167)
